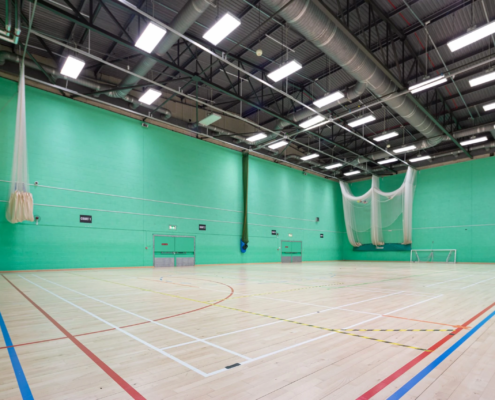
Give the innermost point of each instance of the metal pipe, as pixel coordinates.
(316, 27)
(6, 56)
(181, 23)
(427, 143)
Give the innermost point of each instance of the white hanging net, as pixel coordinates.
(20, 206)
(374, 216)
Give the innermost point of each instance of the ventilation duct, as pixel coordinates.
(311, 23)
(181, 23)
(6, 56)
(427, 143)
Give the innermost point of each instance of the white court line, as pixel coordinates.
(123, 331)
(456, 279)
(278, 322)
(318, 338)
(147, 319)
(486, 280)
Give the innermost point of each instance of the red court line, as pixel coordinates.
(387, 381)
(139, 323)
(110, 372)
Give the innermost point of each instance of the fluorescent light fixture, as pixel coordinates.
(472, 37)
(427, 84)
(256, 137)
(362, 121)
(150, 96)
(333, 166)
(421, 158)
(72, 67)
(210, 119)
(284, 71)
(350, 173)
(388, 161)
(150, 37)
(276, 145)
(312, 121)
(473, 141)
(328, 99)
(310, 156)
(489, 107)
(385, 136)
(482, 79)
(222, 28)
(404, 149)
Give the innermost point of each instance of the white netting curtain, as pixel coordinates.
(20, 206)
(374, 216)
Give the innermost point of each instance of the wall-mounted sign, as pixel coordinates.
(202, 227)
(274, 232)
(321, 235)
(87, 219)
(290, 234)
(172, 227)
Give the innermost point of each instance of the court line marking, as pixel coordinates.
(146, 319)
(401, 371)
(183, 363)
(110, 372)
(312, 340)
(287, 320)
(486, 280)
(422, 374)
(22, 382)
(452, 280)
(278, 322)
(429, 322)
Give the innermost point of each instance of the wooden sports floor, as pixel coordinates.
(317, 330)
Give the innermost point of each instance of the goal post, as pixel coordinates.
(434, 255)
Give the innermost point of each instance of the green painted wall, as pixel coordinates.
(186, 182)
(453, 207)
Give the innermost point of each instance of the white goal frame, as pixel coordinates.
(431, 257)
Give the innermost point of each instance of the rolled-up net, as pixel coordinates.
(379, 217)
(20, 207)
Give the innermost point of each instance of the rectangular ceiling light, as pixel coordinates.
(276, 145)
(150, 96)
(333, 166)
(489, 107)
(256, 137)
(312, 121)
(150, 37)
(362, 121)
(310, 156)
(350, 173)
(210, 119)
(472, 37)
(482, 79)
(284, 71)
(388, 161)
(328, 99)
(385, 136)
(404, 149)
(223, 27)
(427, 84)
(72, 67)
(422, 158)
(473, 141)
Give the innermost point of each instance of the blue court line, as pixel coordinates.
(414, 381)
(19, 373)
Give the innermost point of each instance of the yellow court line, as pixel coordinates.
(342, 331)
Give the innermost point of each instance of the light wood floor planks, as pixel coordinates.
(317, 330)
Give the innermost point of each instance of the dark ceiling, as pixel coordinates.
(392, 30)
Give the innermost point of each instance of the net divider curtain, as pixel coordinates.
(375, 210)
(20, 207)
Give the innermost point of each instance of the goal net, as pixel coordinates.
(442, 255)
